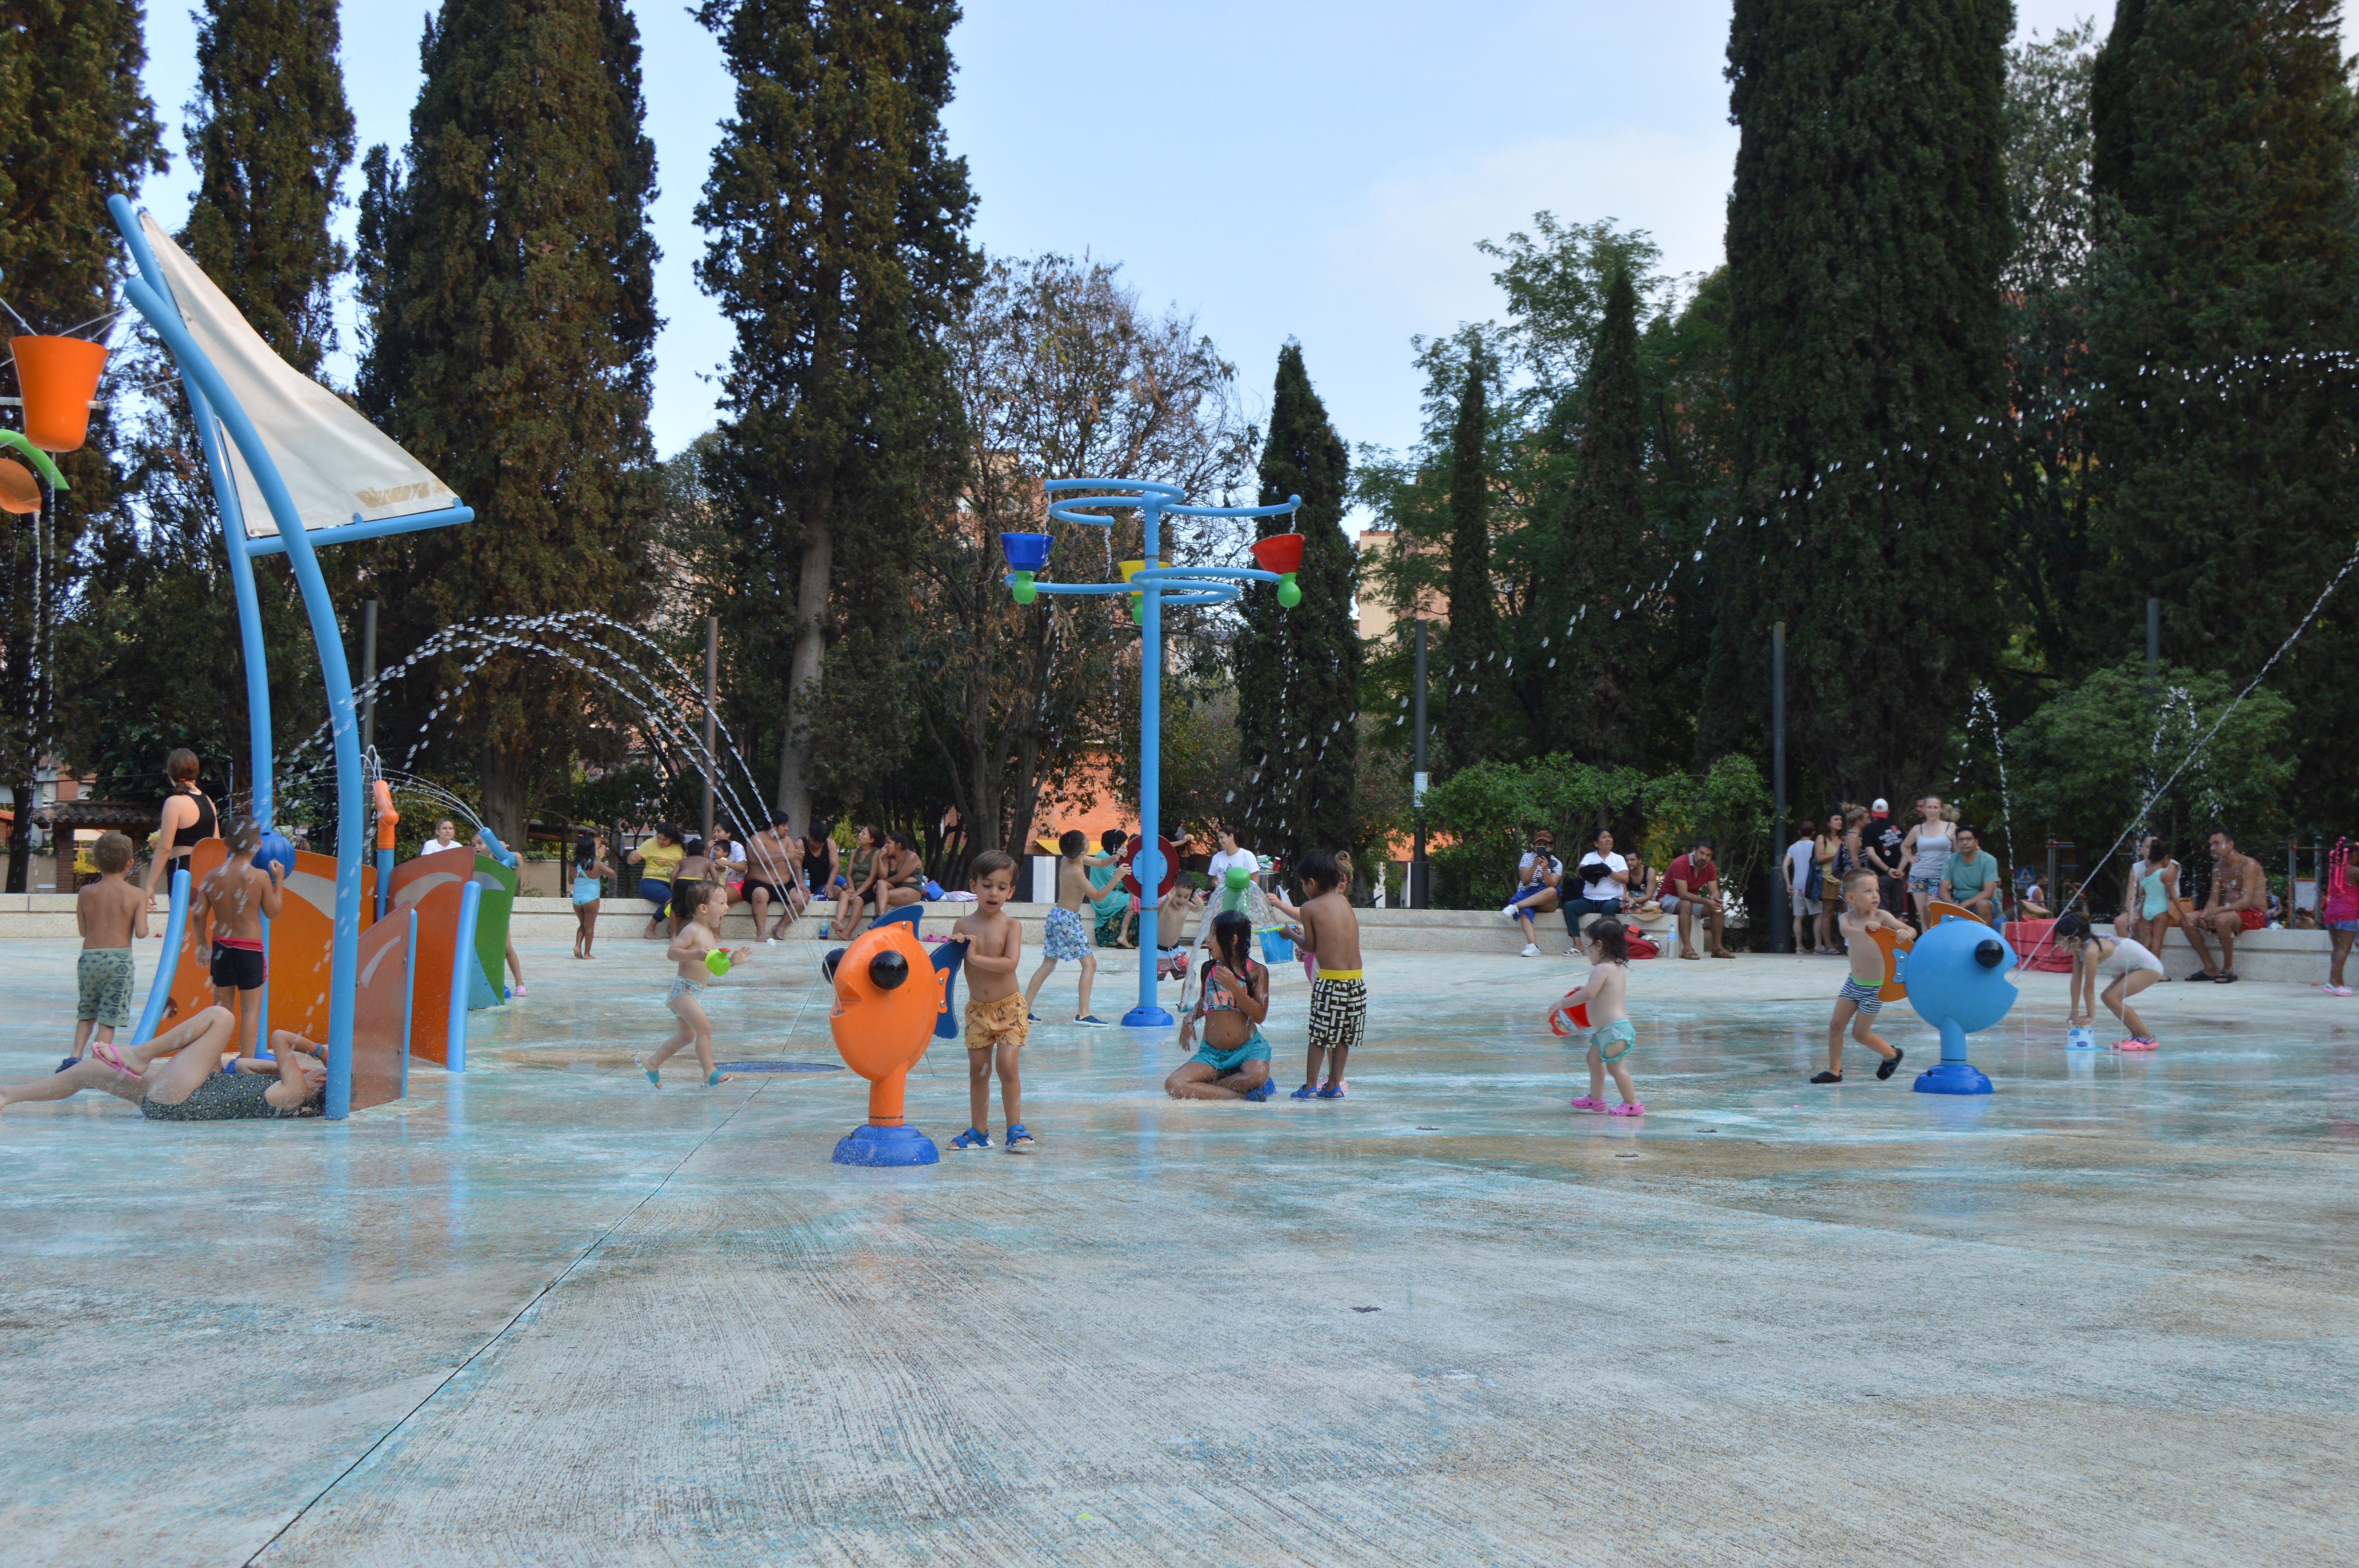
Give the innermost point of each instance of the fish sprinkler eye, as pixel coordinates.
(888, 970)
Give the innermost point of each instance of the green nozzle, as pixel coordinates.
(1024, 591)
(1138, 609)
(1288, 593)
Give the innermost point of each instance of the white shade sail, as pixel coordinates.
(336, 464)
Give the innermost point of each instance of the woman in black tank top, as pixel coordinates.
(199, 823)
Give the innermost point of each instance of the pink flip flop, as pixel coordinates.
(1628, 1107)
(105, 1052)
(1585, 1103)
(2137, 1043)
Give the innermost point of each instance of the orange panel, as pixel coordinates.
(438, 940)
(300, 938)
(380, 1013)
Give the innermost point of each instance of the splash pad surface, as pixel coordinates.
(546, 1313)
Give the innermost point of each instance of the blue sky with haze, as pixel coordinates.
(1280, 168)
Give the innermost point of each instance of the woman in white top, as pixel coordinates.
(445, 837)
(1603, 877)
(1926, 849)
(1231, 854)
(2125, 962)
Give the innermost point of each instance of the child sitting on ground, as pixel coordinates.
(227, 911)
(1067, 936)
(705, 904)
(1862, 997)
(1234, 1062)
(996, 1011)
(1339, 990)
(1611, 1033)
(111, 914)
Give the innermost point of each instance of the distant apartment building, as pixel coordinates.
(1377, 612)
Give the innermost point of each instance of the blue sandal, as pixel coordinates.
(1018, 1140)
(1261, 1091)
(1332, 1091)
(653, 1076)
(1308, 1091)
(972, 1138)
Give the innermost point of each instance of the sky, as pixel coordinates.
(1274, 169)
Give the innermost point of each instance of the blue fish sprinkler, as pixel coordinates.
(1958, 981)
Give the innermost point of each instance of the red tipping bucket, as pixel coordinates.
(1281, 553)
(58, 377)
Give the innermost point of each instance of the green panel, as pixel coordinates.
(499, 885)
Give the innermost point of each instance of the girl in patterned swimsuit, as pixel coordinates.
(691, 950)
(1233, 1061)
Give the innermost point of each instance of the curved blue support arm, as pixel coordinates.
(1284, 508)
(335, 677)
(159, 990)
(1144, 487)
(234, 534)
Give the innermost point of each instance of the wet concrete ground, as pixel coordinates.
(548, 1314)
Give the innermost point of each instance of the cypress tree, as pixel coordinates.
(1866, 234)
(839, 247)
(1472, 645)
(511, 279)
(269, 142)
(270, 145)
(2224, 133)
(78, 130)
(1609, 554)
(1297, 671)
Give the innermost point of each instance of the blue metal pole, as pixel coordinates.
(384, 880)
(1148, 1015)
(159, 990)
(454, 1042)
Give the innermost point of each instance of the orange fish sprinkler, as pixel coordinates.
(888, 996)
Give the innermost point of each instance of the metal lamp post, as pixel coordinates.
(1155, 586)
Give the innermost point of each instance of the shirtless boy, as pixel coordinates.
(1862, 997)
(2239, 902)
(111, 914)
(995, 1009)
(692, 951)
(774, 869)
(228, 909)
(1068, 936)
(1339, 994)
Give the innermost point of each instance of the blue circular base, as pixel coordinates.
(887, 1146)
(1147, 1018)
(1954, 1078)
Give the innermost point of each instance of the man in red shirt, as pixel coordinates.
(1694, 885)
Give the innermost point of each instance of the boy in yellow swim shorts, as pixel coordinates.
(1339, 992)
(996, 1011)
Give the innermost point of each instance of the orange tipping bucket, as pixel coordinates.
(58, 377)
(18, 490)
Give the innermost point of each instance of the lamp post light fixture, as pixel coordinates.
(1152, 586)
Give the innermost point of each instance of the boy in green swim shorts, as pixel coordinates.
(1611, 1034)
(1233, 1061)
(112, 914)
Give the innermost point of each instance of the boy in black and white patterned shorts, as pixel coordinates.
(1338, 995)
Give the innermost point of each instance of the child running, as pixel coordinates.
(705, 903)
(1862, 997)
(228, 910)
(996, 1011)
(1066, 936)
(1233, 1061)
(1339, 992)
(1611, 1033)
(2127, 963)
(112, 914)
